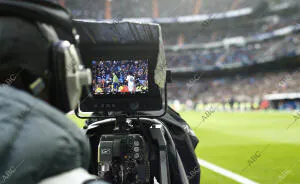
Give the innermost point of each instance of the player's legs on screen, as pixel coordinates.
(115, 87)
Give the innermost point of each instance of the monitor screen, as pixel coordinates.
(122, 77)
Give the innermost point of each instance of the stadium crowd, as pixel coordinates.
(238, 89)
(245, 55)
(205, 32)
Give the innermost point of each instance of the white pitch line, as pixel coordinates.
(225, 172)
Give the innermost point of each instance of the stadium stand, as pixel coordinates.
(138, 8)
(85, 9)
(247, 55)
(204, 33)
(225, 5)
(242, 88)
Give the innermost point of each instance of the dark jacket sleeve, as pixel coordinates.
(36, 140)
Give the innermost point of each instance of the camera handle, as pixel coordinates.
(157, 132)
(122, 124)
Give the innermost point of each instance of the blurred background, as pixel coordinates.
(236, 70)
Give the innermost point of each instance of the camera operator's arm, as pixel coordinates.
(38, 140)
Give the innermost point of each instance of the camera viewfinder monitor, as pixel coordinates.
(124, 85)
(123, 72)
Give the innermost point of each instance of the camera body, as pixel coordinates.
(127, 96)
(123, 159)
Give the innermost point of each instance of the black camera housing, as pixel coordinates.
(94, 46)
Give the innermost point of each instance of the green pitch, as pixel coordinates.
(256, 145)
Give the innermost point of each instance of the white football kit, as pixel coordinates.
(130, 80)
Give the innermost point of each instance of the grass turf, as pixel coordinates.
(256, 145)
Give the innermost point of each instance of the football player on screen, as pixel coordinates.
(115, 82)
(131, 82)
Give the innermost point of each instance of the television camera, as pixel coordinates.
(130, 142)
